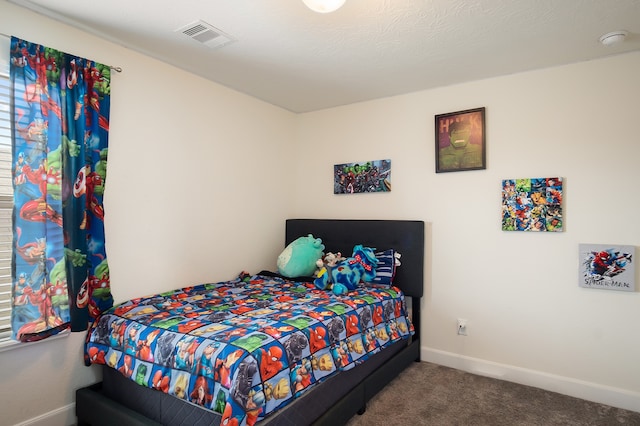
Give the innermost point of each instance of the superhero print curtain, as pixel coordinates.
(60, 108)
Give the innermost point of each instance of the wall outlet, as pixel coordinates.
(462, 327)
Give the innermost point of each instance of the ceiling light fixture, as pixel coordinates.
(613, 37)
(324, 6)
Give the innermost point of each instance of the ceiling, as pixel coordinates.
(285, 54)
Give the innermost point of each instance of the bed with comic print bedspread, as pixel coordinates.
(247, 347)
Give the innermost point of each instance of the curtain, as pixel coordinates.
(60, 108)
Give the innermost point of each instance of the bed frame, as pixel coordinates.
(96, 407)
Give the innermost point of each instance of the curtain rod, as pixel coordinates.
(116, 69)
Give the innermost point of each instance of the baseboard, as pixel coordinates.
(63, 416)
(608, 395)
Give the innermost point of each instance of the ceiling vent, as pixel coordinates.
(206, 34)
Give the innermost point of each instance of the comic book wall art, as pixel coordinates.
(608, 267)
(533, 205)
(365, 176)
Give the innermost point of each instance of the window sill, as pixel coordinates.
(9, 344)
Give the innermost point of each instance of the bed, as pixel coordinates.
(124, 396)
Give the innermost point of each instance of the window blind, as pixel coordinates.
(6, 194)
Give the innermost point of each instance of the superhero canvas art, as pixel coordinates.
(608, 267)
(533, 205)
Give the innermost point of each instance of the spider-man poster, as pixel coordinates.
(608, 267)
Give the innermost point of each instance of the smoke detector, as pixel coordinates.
(613, 37)
(206, 34)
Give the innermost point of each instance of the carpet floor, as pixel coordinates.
(430, 394)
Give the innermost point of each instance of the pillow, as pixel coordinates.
(388, 261)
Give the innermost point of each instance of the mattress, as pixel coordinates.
(246, 348)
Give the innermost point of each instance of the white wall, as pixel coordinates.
(190, 163)
(528, 320)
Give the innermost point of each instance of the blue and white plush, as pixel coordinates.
(346, 275)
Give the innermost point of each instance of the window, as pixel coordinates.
(6, 194)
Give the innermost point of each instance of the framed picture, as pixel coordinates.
(365, 176)
(460, 141)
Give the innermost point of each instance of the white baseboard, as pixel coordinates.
(608, 395)
(63, 416)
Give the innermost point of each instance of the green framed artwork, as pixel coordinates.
(460, 141)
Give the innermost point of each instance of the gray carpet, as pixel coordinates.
(429, 394)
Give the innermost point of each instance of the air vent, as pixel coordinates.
(206, 34)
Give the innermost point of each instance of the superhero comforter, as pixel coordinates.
(247, 347)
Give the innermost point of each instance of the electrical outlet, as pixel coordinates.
(462, 327)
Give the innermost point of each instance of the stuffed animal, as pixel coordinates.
(366, 257)
(348, 273)
(299, 258)
(329, 260)
(325, 266)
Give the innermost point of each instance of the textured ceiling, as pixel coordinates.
(302, 61)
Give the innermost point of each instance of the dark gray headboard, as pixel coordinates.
(405, 236)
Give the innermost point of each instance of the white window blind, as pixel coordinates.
(6, 194)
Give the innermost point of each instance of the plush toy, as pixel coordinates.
(329, 260)
(366, 258)
(348, 273)
(299, 258)
(325, 267)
